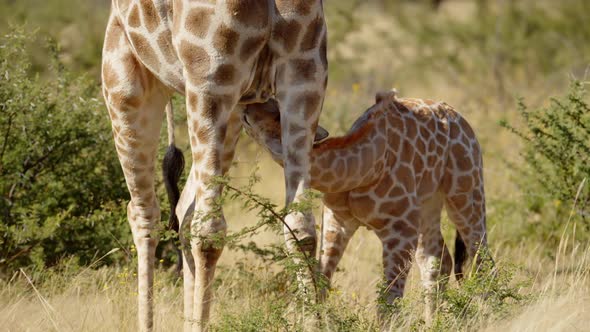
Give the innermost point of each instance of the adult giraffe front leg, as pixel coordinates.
(300, 87)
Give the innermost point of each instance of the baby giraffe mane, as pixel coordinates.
(345, 141)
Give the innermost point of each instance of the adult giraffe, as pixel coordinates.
(220, 55)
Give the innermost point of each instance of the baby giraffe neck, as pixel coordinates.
(344, 163)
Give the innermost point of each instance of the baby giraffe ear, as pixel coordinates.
(320, 134)
(383, 95)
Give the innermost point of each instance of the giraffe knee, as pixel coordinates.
(208, 238)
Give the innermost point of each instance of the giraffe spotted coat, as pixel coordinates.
(399, 164)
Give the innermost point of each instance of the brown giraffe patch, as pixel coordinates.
(420, 146)
(113, 35)
(327, 177)
(383, 187)
(251, 13)
(203, 134)
(378, 223)
(362, 205)
(332, 252)
(407, 152)
(212, 106)
(198, 21)
(454, 131)
(193, 101)
(340, 168)
(459, 201)
(405, 230)
(109, 75)
(353, 165)
(311, 102)
(197, 157)
(418, 165)
(286, 33)
(196, 61)
(393, 243)
(124, 102)
(145, 51)
(300, 7)
(406, 177)
(133, 19)
(324, 53)
(427, 184)
(464, 183)
(143, 184)
(225, 40)
(165, 45)
(224, 74)
(395, 208)
(367, 156)
(332, 236)
(151, 19)
(251, 46)
(300, 143)
(302, 70)
(312, 34)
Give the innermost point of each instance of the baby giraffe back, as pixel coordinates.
(425, 142)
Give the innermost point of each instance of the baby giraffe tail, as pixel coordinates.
(172, 167)
(460, 255)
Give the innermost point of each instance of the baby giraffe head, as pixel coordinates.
(262, 122)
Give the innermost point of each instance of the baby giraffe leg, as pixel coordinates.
(432, 255)
(336, 233)
(399, 237)
(467, 212)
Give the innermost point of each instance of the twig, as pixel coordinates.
(291, 232)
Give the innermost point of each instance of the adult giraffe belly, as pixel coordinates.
(148, 27)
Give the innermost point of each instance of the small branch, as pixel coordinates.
(307, 259)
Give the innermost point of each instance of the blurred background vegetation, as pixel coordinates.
(516, 69)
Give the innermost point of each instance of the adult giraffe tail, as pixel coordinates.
(172, 167)
(460, 255)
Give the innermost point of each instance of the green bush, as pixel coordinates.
(557, 161)
(77, 26)
(61, 186)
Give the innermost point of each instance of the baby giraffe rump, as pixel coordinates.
(395, 169)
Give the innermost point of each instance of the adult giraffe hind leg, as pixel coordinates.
(136, 102)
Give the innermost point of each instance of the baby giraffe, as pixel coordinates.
(395, 169)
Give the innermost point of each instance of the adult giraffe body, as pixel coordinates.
(220, 55)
